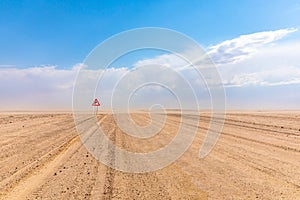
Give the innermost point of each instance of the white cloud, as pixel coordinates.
(271, 66)
(166, 60)
(245, 61)
(36, 88)
(242, 47)
(48, 88)
(275, 77)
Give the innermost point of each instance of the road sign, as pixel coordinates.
(96, 103)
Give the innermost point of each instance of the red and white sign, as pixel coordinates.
(96, 103)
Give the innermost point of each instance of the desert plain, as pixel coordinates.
(256, 157)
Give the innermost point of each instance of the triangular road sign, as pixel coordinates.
(96, 103)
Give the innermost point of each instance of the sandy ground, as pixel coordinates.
(256, 157)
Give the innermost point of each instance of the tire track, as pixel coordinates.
(44, 168)
(245, 124)
(157, 184)
(77, 152)
(110, 171)
(34, 178)
(9, 183)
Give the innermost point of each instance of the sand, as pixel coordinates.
(257, 157)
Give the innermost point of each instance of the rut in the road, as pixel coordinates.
(110, 172)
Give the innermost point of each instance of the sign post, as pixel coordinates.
(96, 104)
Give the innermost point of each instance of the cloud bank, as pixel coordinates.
(247, 64)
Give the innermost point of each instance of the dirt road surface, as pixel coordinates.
(257, 157)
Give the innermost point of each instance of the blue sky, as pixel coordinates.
(255, 45)
(62, 33)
